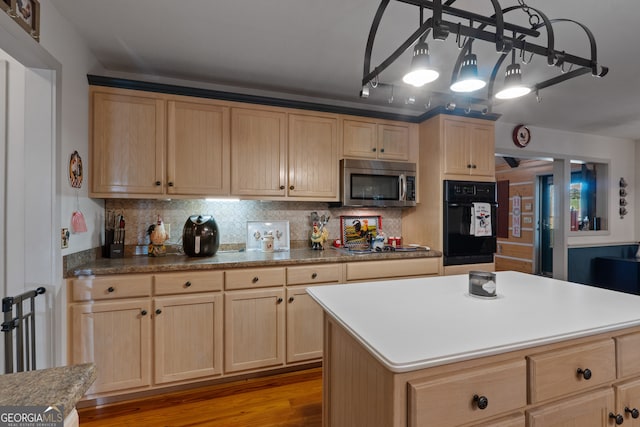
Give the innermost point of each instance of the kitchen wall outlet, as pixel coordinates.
(527, 206)
(527, 219)
(64, 238)
(167, 228)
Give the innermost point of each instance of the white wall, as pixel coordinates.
(60, 40)
(621, 154)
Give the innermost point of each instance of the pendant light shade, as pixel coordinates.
(468, 80)
(513, 87)
(421, 71)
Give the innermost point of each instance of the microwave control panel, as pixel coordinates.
(411, 188)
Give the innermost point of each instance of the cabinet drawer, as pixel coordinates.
(627, 351)
(311, 274)
(391, 268)
(188, 282)
(449, 399)
(555, 373)
(515, 420)
(254, 278)
(109, 287)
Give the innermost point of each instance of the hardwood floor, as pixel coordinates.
(291, 400)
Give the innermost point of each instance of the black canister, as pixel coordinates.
(200, 236)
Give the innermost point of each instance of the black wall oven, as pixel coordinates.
(469, 222)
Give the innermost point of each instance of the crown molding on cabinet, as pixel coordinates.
(278, 102)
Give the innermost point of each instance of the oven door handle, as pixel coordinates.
(402, 182)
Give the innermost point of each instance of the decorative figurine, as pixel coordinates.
(157, 236)
(320, 234)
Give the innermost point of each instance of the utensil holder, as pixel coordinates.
(114, 246)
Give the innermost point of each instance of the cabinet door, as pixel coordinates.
(254, 329)
(304, 326)
(127, 144)
(188, 337)
(313, 157)
(359, 139)
(258, 152)
(197, 149)
(116, 336)
(482, 150)
(456, 155)
(588, 410)
(628, 402)
(393, 142)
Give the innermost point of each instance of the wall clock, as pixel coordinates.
(521, 136)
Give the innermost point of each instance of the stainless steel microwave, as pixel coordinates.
(377, 183)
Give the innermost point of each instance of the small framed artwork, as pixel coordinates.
(75, 170)
(355, 230)
(27, 15)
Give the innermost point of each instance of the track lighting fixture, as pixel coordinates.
(489, 27)
(421, 71)
(468, 80)
(513, 87)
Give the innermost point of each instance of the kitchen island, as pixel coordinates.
(543, 353)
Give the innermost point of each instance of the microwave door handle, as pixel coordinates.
(403, 187)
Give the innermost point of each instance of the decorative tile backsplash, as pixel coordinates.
(232, 217)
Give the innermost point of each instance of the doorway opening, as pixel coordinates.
(545, 225)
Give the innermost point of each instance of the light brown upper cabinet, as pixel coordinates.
(279, 154)
(197, 149)
(367, 139)
(127, 130)
(313, 157)
(148, 145)
(468, 147)
(258, 152)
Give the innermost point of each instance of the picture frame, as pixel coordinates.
(354, 230)
(256, 230)
(26, 13)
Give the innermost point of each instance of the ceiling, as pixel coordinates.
(316, 49)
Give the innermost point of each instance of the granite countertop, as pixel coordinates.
(47, 387)
(405, 331)
(233, 259)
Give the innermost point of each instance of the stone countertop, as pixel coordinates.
(234, 259)
(405, 330)
(63, 385)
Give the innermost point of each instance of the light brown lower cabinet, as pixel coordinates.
(254, 329)
(304, 315)
(151, 331)
(628, 402)
(587, 410)
(304, 326)
(116, 336)
(187, 337)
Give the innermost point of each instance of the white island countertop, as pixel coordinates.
(419, 323)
